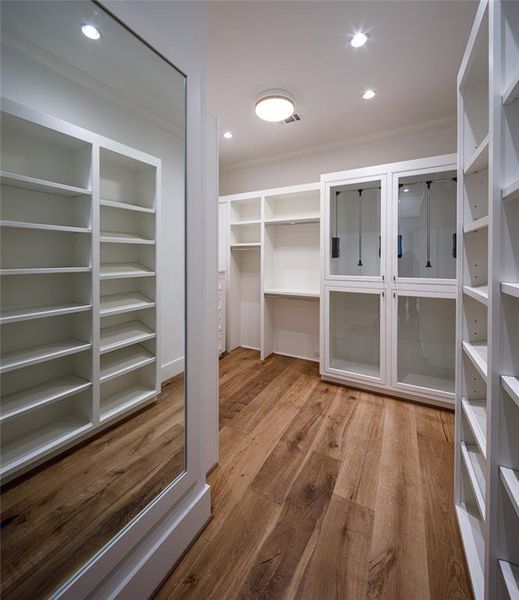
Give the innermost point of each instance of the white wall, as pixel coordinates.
(352, 154)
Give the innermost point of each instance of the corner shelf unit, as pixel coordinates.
(487, 391)
(273, 271)
(78, 307)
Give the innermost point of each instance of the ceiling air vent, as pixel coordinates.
(291, 119)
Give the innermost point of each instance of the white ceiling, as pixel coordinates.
(411, 60)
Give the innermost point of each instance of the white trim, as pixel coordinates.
(171, 368)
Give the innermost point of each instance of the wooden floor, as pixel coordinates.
(56, 518)
(324, 492)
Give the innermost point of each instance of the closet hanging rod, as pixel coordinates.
(455, 179)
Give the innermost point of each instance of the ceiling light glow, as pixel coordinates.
(91, 32)
(406, 189)
(368, 94)
(227, 135)
(359, 39)
(274, 105)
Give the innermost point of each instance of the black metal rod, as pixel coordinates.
(359, 264)
(428, 217)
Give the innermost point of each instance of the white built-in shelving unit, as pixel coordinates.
(487, 391)
(273, 271)
(79, 288)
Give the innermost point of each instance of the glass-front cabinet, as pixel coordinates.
(356, 232)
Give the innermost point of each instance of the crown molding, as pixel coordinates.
(389, 134)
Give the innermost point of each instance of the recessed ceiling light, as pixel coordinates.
(91, 32)
(274, 105)
(406, 189)
(359, 39)
(227, 135)
(368, 94)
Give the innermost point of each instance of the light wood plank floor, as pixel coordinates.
(56, 518)
(324, 492)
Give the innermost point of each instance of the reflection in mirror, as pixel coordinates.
(92, 291)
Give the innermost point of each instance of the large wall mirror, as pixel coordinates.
(92, 286)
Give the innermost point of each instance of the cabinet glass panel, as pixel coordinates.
(355, 237)
(426, 244)
(355, 333)
(426, 342)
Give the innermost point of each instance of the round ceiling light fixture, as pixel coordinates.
(91, 32)
(368, 94)
(274, 105)
(227, 135)
(359, 39)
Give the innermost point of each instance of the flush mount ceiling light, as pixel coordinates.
(368, 94)
(227, 135)
(91, 32)
(274, 105)
(406, 189)
(359, 39)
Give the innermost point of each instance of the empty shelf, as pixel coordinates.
(510, 479)
(124, 334)
(511, 192)
(512, 289)
(472, 535)
(245, 246)
(479, 159)
(36, 312)
(476, 413)
(42, 441)
(127, 206)
(43, 226)
(251, 222)
(124, 361)
(355, 368)
(292, 293)
(479, 293)
(115, 304)
(38, 395)
(43, 270)
(512, 90)
(476, 225)
(125, 400)
(477, 352)
(114, 237)
(476, 474)
(511, 386)
(124, 270)
(41, 185)
(36, 354)
(510, 575)
(295, 220)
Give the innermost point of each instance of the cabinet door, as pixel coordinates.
(355, 330)
(424, 339)
(356, 229)
(423, 245)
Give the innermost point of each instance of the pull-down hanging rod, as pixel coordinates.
(359, 264)
(428, 217)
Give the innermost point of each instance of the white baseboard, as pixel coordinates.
(172, 368)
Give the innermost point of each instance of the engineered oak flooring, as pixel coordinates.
(324, 493)
(57, 517)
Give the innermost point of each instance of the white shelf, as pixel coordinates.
(510, 575)
(511, 192)
(251, 222)
(124, 401)
(124, 361)
(245, 245)
(44, 270)
(512, 289)
(479, 159)
(295, 220)
(476, 413)
(44, 440)
(114, 237)
(124, 270)
(116, 304)
(293, 293)
(37, 354)
(126, 206)
(51, 391)
(125, 334)
(478, 293)
(476, 225)
(472, 536)
(43, 226)
(512, 90)
(510, 479)
(476, 475)
(36, 312)
(41, 185)
(511, 386)
(477, 352)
